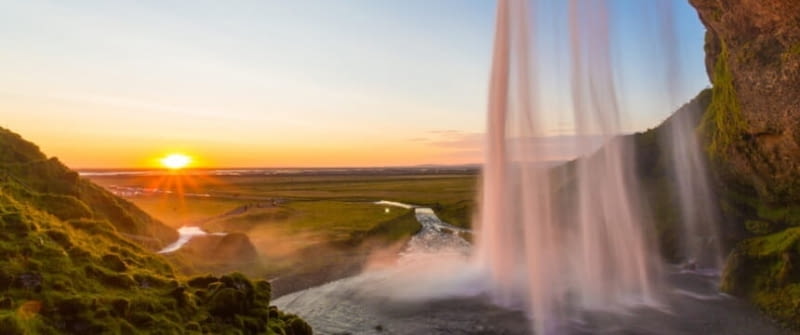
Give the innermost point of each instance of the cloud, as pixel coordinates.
(469, 146)
(457, 140)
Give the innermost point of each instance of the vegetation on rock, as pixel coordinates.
(722, 122)
(51, 187)
(754, 129)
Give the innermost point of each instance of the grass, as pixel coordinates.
(28, 174)
(293, 220)
(177, 212)
(309, 209)
(332, 205)
(83, 277)
(452, 193)
(337, 220)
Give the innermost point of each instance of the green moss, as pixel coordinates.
(288, 324)
(114, 262)
(791, 52)
(758, 227)
(766, 269)
(396, 229)
(64, 207)
(9, 325)
(262, 291)
(781, 303)
(788, 215)
(717, 14)
(202, 281)
(456, 213)
(299, 327)
(771, 245)
(109, 278)
(226, 302)
(722, 122)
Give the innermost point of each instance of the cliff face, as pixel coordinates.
(753, 47)
(752, 125)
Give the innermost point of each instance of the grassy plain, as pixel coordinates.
(452, 195)
(306, 228)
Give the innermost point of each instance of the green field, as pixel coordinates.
(451, 195)
(303, 225)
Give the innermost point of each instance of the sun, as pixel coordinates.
(176, 161)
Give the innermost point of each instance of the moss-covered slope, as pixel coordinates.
(68, 266)
(26, 173)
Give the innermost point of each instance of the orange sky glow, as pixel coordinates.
(262, 83)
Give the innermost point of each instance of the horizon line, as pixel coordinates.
(89, 169)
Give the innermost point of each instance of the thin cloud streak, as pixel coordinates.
(469, 146)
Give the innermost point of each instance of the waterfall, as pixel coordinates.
(558, 241)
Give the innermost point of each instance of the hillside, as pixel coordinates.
(26, 173)
(75, 260)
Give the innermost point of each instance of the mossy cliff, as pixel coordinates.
(74, 259)
(752, 126)
(753, 63)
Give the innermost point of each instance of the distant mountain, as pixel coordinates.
(75, 259)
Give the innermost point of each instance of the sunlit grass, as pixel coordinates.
(452, 196)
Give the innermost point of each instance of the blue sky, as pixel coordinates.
(280, 83)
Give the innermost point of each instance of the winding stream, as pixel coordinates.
(185, 234)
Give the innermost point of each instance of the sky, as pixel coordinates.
(308, 83)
